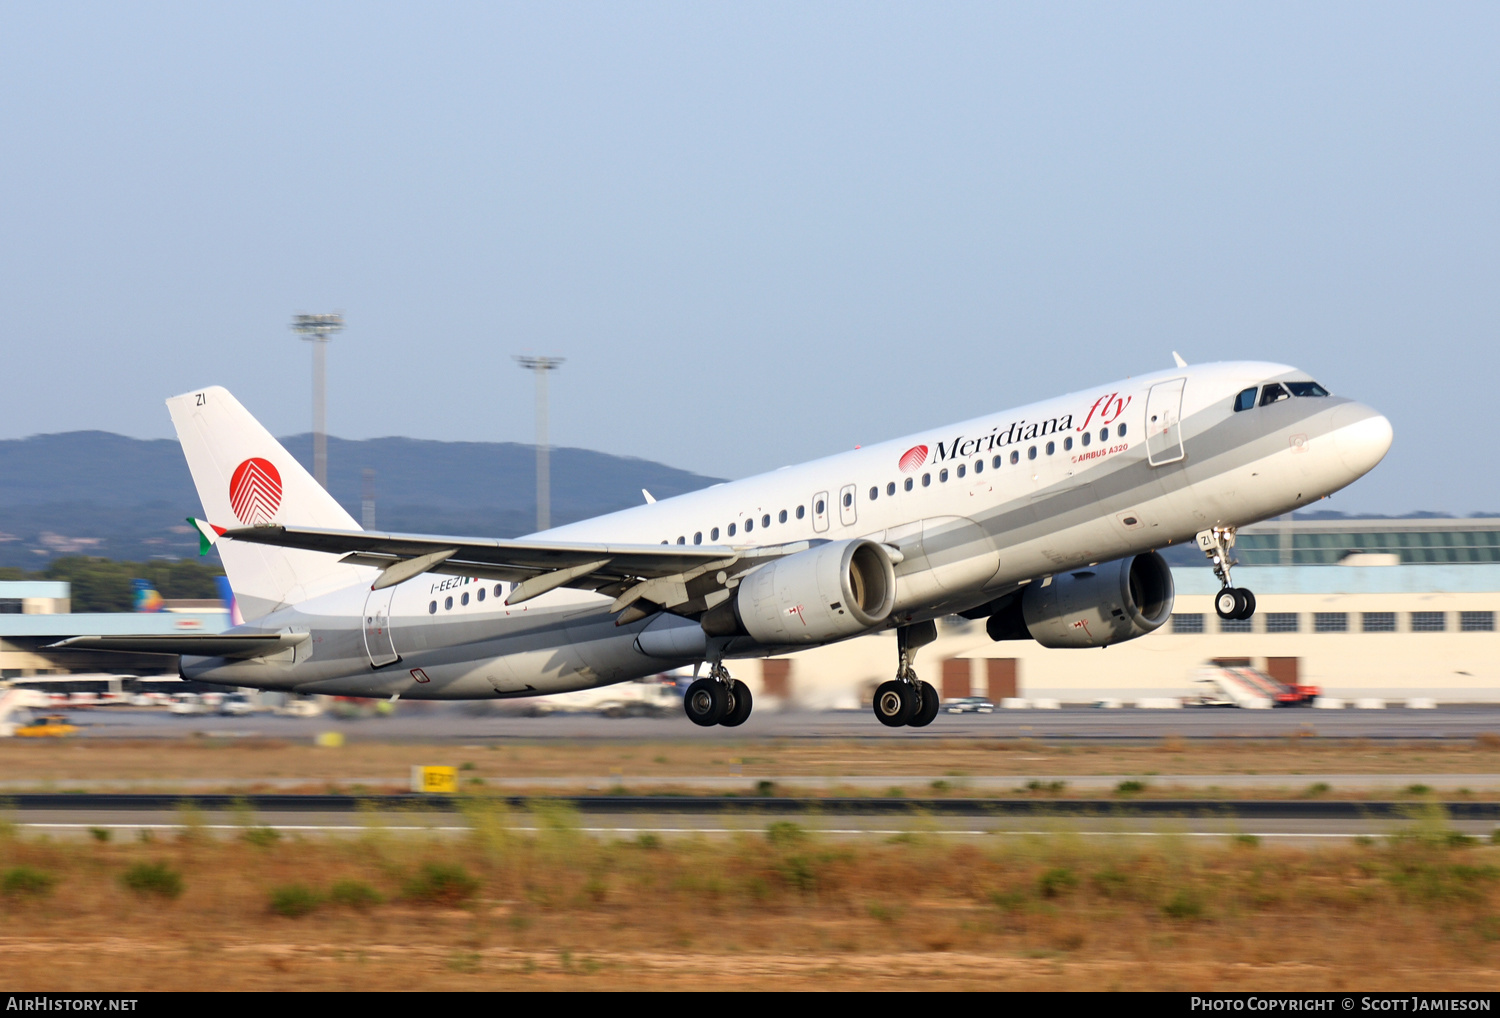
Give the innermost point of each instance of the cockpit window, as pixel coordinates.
(1306, 389)
(1245, 400)
(1273, 393)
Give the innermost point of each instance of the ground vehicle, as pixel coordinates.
(236, 706)
(48, 726)
(300, 709)
(188, 703)
(647, 698)
(969, 705)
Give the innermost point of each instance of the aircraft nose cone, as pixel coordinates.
(1361, 436)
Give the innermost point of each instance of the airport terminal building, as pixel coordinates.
(1365, 609)
(1368, 608)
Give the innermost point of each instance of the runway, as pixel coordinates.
(448, 722)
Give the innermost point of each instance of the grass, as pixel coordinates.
(554, 908)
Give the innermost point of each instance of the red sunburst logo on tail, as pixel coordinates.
(913, 458)
(255, 492)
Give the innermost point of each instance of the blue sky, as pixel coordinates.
(759, 232)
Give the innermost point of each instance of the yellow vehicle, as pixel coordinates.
(54, 725)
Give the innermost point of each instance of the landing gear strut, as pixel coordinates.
(906, 700)
(718, 699)
(1233, 603)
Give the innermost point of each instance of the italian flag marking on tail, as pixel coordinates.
(208, 534)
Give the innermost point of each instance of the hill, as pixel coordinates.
(96, 493)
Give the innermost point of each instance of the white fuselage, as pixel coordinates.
(974, 509)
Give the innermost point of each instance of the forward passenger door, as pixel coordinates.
(1164, 422)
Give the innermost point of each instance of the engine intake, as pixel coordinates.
(1095, 607)
(826, 593)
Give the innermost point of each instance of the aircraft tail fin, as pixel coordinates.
(146, 597)
(245, 477)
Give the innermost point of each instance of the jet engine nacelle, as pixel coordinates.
(826, 593)
(1094, 607)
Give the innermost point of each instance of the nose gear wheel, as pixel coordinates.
(1231, 603)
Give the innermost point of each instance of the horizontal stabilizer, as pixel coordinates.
(237, 645)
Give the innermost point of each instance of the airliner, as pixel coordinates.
(1045, 521)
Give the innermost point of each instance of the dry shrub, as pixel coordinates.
(1487, 741)
(441, 883)
(27, 882)
(158, 879)
(1173, 744)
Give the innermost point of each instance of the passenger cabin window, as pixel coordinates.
(960, 470)
(1031, 453)
(781, 516)
(874, 494)
(432, 608)
(1015, 457)
(1306, 389)
(1120, 430)
(1067, 443)
(1051, 448)
(765, 521)
(447, 604)
(1104, 434)
(1088, 436)
(943, 476)
(848, 499)
(480, 595)
(926, 480)
(749, 526)
(1245, 400)
(979, 466)
(497, 590)
(907, 484)
(682, 540)
(713, 535)
(464, 599)
(890, 489)
(817, 509)
(800, 512)
(997, 461)
(1273, 393)
(731, 530)
(698, 537)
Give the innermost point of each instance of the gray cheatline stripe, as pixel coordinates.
(710, 830)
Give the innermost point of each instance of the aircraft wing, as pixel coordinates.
(196, 644)
(684, 579)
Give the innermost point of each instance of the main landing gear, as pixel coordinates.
(718, 699)
(906, 700)
(1232, 603)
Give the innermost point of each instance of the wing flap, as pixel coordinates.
(676, 577)
(539, 556)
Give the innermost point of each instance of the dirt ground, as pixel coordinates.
(778, 909)
(245, 760)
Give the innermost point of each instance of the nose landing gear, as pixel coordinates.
(907, 700)
(1232, 603)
